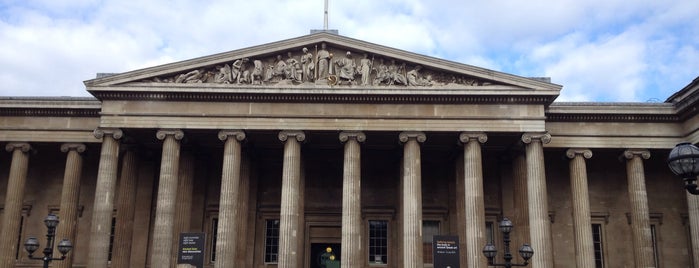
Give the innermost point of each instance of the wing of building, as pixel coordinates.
(323, 149)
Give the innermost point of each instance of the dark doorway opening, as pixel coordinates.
(317, 250)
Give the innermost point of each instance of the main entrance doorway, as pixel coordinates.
(319, 252)
(324, 231)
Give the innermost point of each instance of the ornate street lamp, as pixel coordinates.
(32, 244)
(489, 251)
(684, 162)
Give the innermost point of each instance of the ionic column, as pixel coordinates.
(12, 212)
(539, 223)
(640, 217)
(161, 246)
(352, 201)
(126, 209)
(183, 213)
(584, 251)
(69, 196)
(460, 204)
(412, 199)
(290, 212)
(229, 215)
(521, 203)
(693, 209)
(474, 208)
(243, 204)
(104, 197)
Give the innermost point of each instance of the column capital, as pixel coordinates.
(224, 135)
(78, 147)
(285, 134)
(631, 153)
(23, 146)
(356, 135)
(544, 137)
(465, 137)
(114, 132)
(407, 135)
(573, 152)
(163, 133)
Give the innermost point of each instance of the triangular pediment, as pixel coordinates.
(285, 64)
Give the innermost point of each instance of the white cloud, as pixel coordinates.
(598, 50)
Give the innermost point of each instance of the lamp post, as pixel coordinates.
(684, 162)
(489, 251)
(32, 244)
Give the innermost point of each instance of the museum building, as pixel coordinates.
(286, 153)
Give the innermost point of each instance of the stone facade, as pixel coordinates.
(321, 152)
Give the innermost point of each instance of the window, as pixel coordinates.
(429, 230)
(20, 244)
(214, 234)
(272, 241)
(19, 238)
(378, 242)
(489, 235)
(598, 245)
(656, 220)
(111, 238)
(598, 221)
(654, 240)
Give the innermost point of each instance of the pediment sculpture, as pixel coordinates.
(322, 66)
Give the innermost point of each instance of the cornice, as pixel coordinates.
(611, 112)
(54, 112)
(330, 96)
(50, 106)
(611, 118)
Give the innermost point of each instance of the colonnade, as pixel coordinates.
(529, 174)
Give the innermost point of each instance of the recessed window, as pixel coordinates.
(489, 235)
(112, 229)
(272, 241)
(378, 242)
(598, 245)
(214, 235)
(654, 239)
(429, 230)
(19, 238)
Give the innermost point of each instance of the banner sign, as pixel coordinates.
(191, 249)
(445, 250)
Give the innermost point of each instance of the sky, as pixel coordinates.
(598, 50)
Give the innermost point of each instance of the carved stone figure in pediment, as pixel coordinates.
(280, 68)
(347, 68)
(415, 79)
(365, 65)
(238, 70)
(396, 73)
(194, 76)
(307, 65)
(382, 75)
(323, 59)
(293, 69)
(257, 72)
(269, 72)
(224, 75)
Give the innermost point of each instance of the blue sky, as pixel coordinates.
(599, 50)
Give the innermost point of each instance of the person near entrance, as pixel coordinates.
(327, 259)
